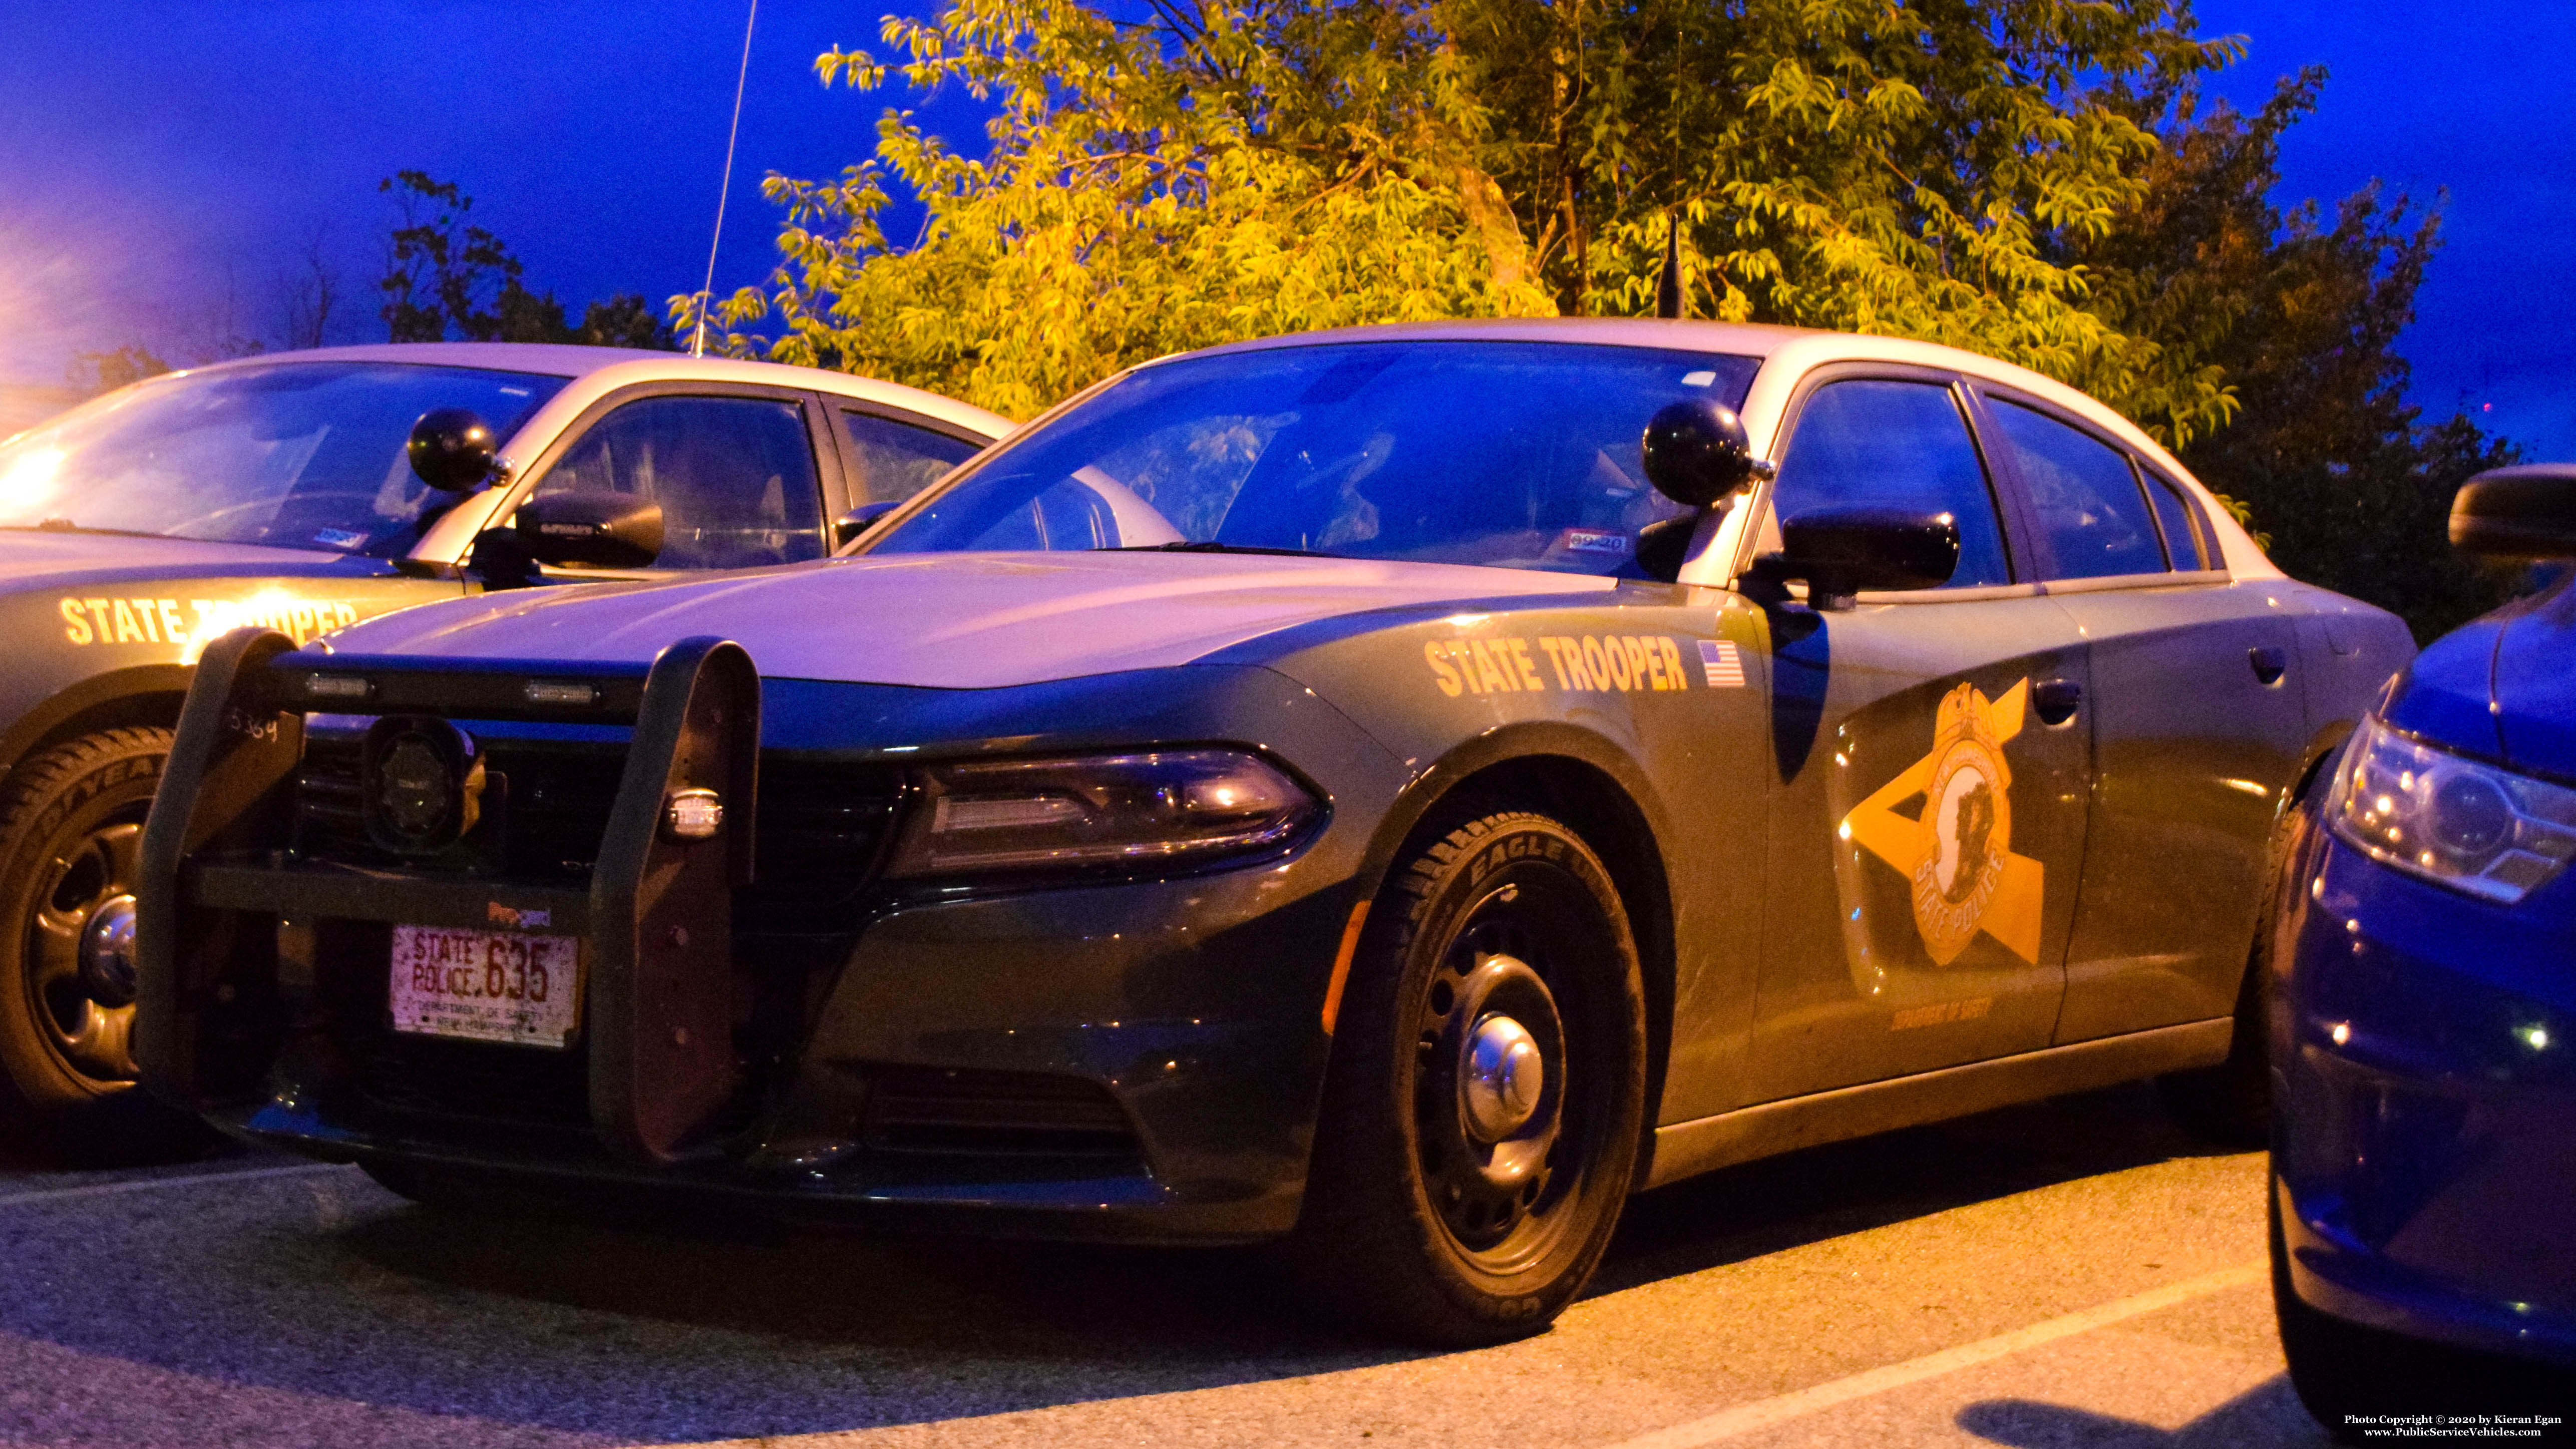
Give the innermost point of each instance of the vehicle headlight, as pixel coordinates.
(1170, 809)
(2474, 826)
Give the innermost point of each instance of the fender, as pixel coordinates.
(84, 696)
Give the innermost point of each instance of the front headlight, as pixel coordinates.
(2477, 827)
(1170, 809)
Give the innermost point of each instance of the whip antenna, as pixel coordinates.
(706, 292)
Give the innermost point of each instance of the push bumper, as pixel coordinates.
(1138, 1060)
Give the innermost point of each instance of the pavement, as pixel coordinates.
(2072, 1273)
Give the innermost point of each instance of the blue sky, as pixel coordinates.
(161, 162)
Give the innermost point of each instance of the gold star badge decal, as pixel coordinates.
(1958, 854)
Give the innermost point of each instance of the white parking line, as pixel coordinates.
(141, 1184)
(1761, 1414)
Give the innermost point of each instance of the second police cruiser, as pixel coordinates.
(302, 493)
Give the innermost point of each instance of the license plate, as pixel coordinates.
(487, 985)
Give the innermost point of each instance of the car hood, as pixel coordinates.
(2503, 687)
(956, 621)
(34, 558)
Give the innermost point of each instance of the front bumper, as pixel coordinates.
(1138, 1059)
(2426, 1108)
(1190, 1009)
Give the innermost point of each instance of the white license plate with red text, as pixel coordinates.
(486, 985)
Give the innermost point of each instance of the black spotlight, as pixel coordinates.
(423, 784)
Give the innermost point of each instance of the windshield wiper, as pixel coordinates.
(1212, 546)
(65, 525)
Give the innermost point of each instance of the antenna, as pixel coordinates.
(1668, 288)
(706, 292)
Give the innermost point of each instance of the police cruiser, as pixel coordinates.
(302, 493)
(1389, 794)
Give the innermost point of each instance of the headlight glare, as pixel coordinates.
(1159, 810)
(2465, 823)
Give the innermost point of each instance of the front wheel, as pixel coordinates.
(1486, 1099)
(71, 829)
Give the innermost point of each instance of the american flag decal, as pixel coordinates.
(1725, 667)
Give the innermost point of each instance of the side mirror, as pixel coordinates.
(2527, 512)
(1842, 551)
(451, 450)
(599, 530)
(1697, 453)
(859, 520)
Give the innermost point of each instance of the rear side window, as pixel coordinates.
(2091, 514)
(734, 475)
(2182, 541)
(1898, 444)
(890, 461)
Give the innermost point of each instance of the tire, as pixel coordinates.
(2230, 1104)
(2348, 1374)
(71, 825)
(1450, 1207)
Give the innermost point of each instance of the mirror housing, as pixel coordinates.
(596, 529)
(859, 520)
(1841, 551)
(1697, 453)
(2527, 512)
(452, 450)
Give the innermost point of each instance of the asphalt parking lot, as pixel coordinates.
(2077, 1272)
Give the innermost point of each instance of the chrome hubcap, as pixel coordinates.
(107, 953)
(1502, 1078)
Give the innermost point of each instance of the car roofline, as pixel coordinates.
(1787, 353)
(611, 367)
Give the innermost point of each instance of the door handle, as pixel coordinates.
(2056, 700)
(2270, 662)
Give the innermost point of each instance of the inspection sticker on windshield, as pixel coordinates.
(1594, 540)
(486, 985)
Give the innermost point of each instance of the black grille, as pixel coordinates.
(515, 1086)
(545, 805)
(822, 824)
(823, 827)
(930, 1109)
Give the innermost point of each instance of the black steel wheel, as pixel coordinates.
(71, 826)
(1486, 1098)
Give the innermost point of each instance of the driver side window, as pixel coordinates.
(735, 477)
(1901, 444)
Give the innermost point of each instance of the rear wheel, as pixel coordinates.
(1486, 1098)
(71, 829)
(2230, 1104)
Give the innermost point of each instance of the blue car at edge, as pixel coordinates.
(2423, 1027)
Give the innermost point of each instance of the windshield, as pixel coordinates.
(1520, 454)
(293, 455)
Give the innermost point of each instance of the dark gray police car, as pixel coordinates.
(282, 491)
(1393, 793)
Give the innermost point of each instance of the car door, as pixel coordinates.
(2197, 724)
(736, 471)
(1926, 813)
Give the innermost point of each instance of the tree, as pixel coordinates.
(443, 274)
(1248, 166)
(440, 270)
(92, 373)
(2301, 312)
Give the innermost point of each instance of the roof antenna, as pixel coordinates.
(698, 343)
(1668, 290)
